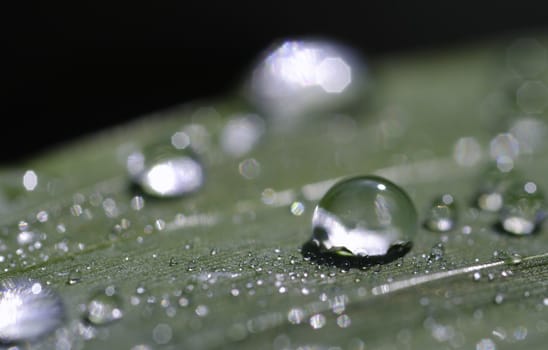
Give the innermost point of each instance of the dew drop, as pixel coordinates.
(74, 277)
(437, 252)
(297, 208)
(28, 310)
(165, 171)
(104, 307)
(494, 184)
(300, 76)
(317, 321)
(364, 216)
(523, 208)
(442, 215)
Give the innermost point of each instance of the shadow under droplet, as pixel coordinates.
(311, 251)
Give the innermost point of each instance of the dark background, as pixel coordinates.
(76, 68)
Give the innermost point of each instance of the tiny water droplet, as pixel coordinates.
(442, 215)
(364, 216)
(74, 277)
(165, 171)
(437, 252)
(523, 208)
(515, 259)
(104, 307)
(28, 310)
(499, 298)
(476, 276)
(297, 208)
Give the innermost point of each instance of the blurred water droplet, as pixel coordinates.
(317, 321)
(241, 134)
(467, 151)
(504, 149)
(532, 96)
(137, 203)
(104, 307)
(442, 215)
(30, 180)
(527, 57)
(365, 216)
(164, 171)
(523, 208)
(530, 133)
(297, 208)
(249, 168)
(162, 333)
(28, 310)
(74, 277)
(494, 184)
(499, 298)
(295, 316)
(297, 77)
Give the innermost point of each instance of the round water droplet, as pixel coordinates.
(493, 185)
(523, 208)
(299, 76)
(364, 216)
(104, 307)
(165, 171)
(28, 310)
(74, 277)
(442, 215)
(437, 252)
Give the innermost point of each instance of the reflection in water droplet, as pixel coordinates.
(365, 216)
(104, 307)
(165, 171)
(523, 208)
(28, 310)
(299, 76)
(442, 215)
(241, 134)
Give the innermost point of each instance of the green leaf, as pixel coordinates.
(222, 269)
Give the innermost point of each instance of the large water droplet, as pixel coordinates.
(299, 76)
(523, 208)
(104, 307)
(28, 310)
(165, 171)
(364, 216)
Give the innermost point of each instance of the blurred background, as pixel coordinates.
(76, 68)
